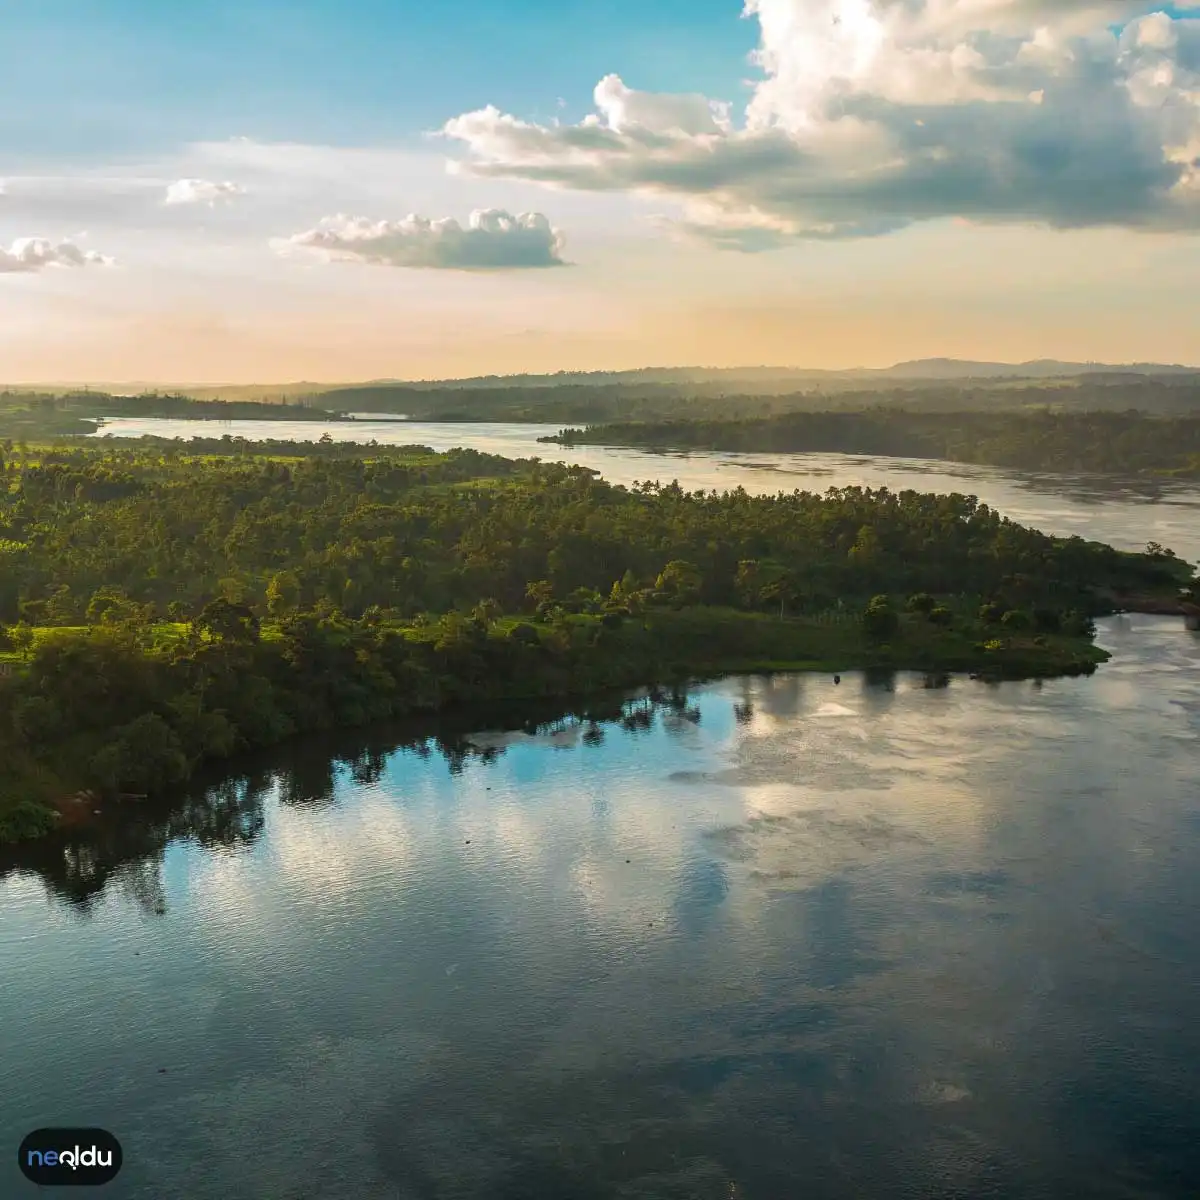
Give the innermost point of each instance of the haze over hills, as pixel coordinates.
(928, 369)
(770, 379)
(1043, 368)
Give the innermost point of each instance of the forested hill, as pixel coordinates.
(162, 604)
(1117, 443)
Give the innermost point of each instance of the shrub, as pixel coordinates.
(880, 620)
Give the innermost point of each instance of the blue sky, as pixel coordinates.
(239, 190)
(97, 77)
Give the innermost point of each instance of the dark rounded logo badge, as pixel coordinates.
(70, 1157)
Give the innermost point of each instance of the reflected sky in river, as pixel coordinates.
(1126, 514)
(904, 937)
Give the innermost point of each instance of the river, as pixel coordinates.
(775, 938)
(1124, 514)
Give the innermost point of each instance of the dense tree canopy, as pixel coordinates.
(1120, 443)
(87, 531)
(162, 605)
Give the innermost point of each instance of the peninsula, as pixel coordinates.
(166, 604)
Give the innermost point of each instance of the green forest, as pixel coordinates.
(1118, 443)
(165, 604)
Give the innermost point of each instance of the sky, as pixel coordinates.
(252, 191)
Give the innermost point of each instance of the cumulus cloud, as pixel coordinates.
(874, 114)
(27, 255)
(202, 191)
(493, 240)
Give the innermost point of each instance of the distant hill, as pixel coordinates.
(760, 380)
(773, 379)
(1042, 368)
(931, 369)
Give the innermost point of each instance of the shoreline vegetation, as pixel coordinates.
(1031, 430)
(1113, 443)
(1119, 422)
(32, 415)
(166, 606)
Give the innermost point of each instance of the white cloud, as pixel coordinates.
(875, 114)
(622, 108)
(493, 240)
(27, 255)
(201, 191)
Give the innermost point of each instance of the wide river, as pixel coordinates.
(778, 939)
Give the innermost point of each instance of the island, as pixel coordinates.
(1037, 439)
(167, 604)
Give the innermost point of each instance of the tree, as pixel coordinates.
(111, 606)
(1048, 620)
(637, 603)
(487, 612)
(232, 589)
(680, 581)
(866, 549)
(1016, 620)
(60, 607)
(145, 754)
(783, 589)
(524, 634)
(879, 619)
(228, 622)
(1077, 624)
(538, 593)
(747, 583)
(283, 593)
(623, 588)
(22, 638)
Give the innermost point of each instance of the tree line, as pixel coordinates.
(165, 604)
(1120, 443)
(170, 526)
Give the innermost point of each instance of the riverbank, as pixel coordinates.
(28, 417)
(1128, 445)
(185, 704)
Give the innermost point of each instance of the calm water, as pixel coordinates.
(775, 939)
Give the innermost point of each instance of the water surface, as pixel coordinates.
(901, 937)
(779, 938)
